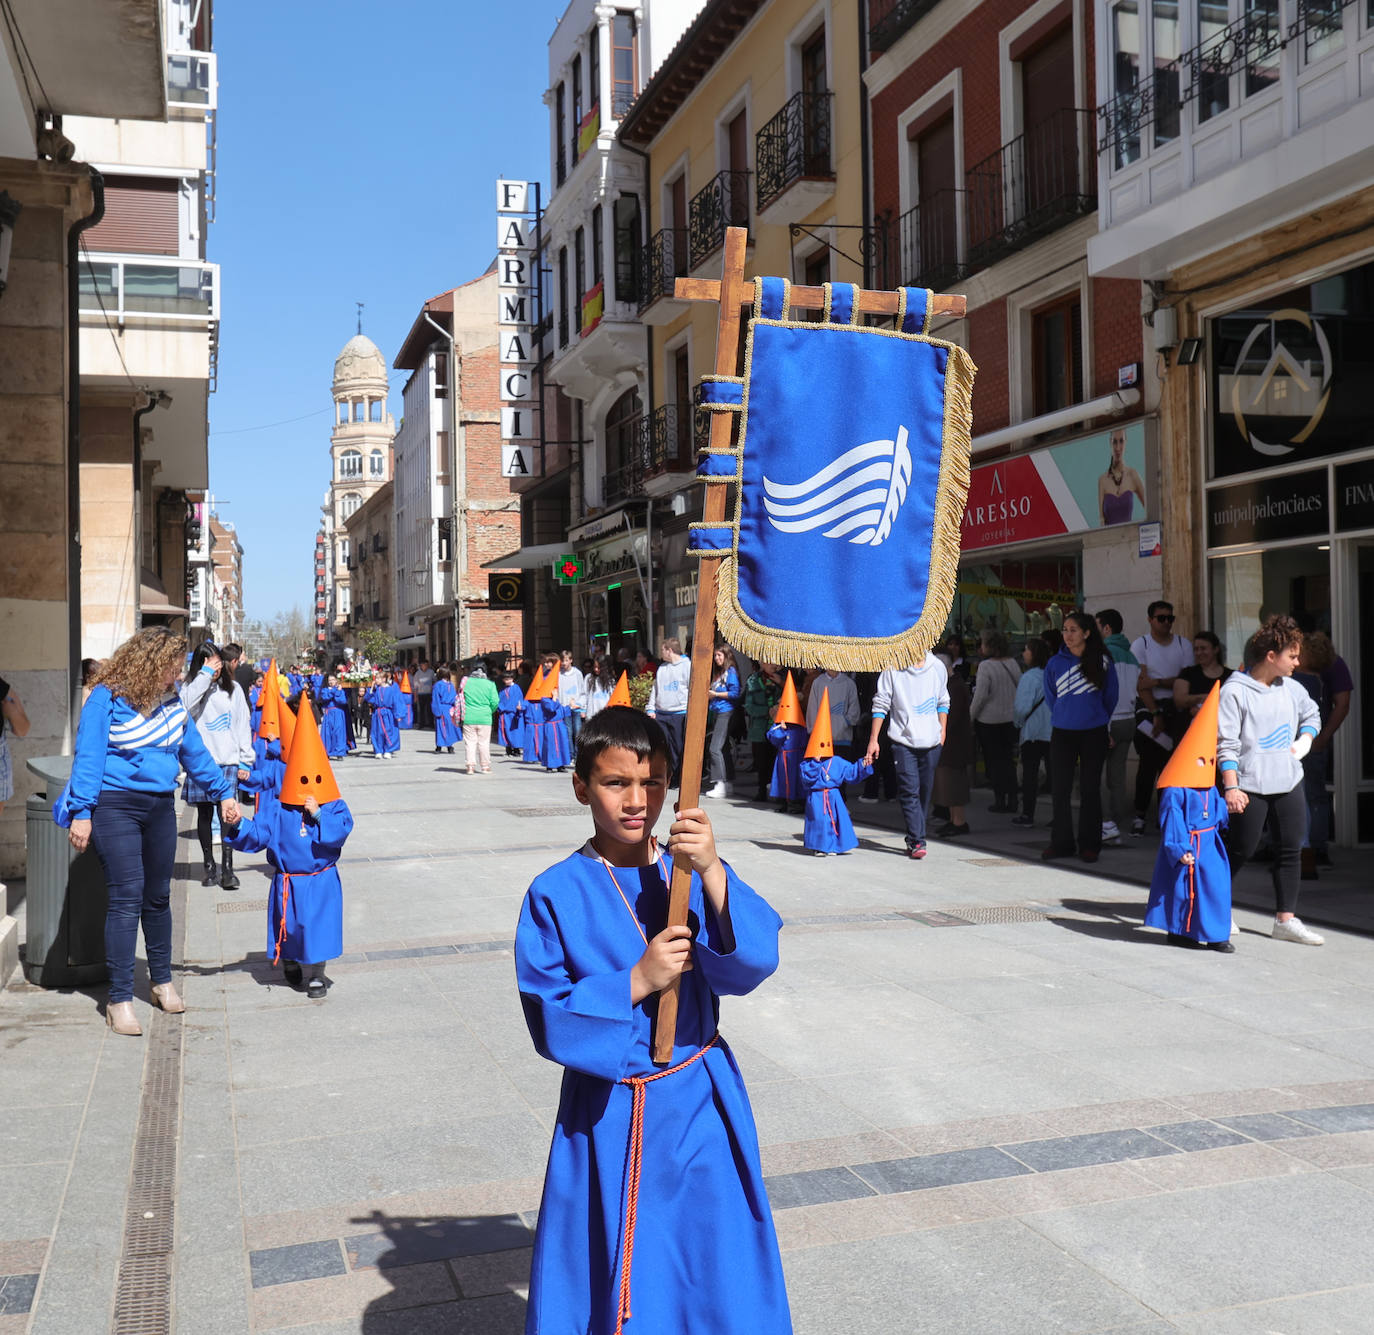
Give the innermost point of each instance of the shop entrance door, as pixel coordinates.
(1353, 634)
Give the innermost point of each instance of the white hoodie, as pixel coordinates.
(1256, 726)
(912, 700)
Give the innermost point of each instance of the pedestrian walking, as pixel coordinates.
(994, 696)
(915, 701)
(844, 708)
(511, 716)
(668, 700)
(1162, 656)
(950, 786)
(1117, 803)
(827, 829)
(443, 706)
(480, 703)
(216, 702)
(787, 737)
(591, 954)
(1081, 688)
(334, 724)
(386, 701)
(597, 685)
(555, 746)
(422, 691)
(571, 693)
(134, 736)
(723, 693)
(1266, 725)
(1031, 714)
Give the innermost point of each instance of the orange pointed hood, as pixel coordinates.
(269, 727)
(621, 694)
(551, 684)
(789, 707)
(822, 743)
(287, 722)
(1193, 763)
(536, 687)
(405, 682)
(308, 773)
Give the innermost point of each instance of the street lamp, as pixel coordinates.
(9, 215)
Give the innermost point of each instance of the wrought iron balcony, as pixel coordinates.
(561, 165)
(722, 202)
(664, 260)
(666, 442)
(794, 145)
(889, 19)
(1031, 187)
(929, 240)
(622, 99)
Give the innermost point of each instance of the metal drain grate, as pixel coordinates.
(992, 862)
(530, 812)
(242, 906)
(990, 913)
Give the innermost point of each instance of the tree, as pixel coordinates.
(378, 646)
(286, 637)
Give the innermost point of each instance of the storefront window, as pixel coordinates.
(1021, 598)
(1250, 586)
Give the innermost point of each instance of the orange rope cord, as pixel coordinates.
(662, 871)
(285, 900)
(634, 1168)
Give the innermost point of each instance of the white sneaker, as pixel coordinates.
(868, 801)
(1295, 930)
(716, 790)
(1110, 833)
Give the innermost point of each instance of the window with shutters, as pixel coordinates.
(142, 217)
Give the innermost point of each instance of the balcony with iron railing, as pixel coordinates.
(1032, 186)
(667, 448)
(889, 19)
(928, 241)
(792, 155)
(721, 203)
(664, 260)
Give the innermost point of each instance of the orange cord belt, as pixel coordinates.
(285, 900)
(636, 1163)
(1192, 873)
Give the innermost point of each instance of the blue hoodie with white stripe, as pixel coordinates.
(1075, 703)
(119, 748)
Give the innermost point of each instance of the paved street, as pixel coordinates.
(988, 1100)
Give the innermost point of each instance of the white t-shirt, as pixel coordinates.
(1163, 660)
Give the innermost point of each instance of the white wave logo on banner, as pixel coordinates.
(867, 499)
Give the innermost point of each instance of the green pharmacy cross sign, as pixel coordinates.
(569, 569)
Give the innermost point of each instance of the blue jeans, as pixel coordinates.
(915, 779)
(574, 724)
(135, 837)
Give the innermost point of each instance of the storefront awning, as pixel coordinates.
(153, 599)
(1115, 402)
(530, 558)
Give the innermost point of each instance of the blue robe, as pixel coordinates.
(264, 779)
(555, 750)
(385, 733)
(705, 1256)
(789, 739)
(442, 702)
(316, 683)
(534, 732)
(510, 718)
(828, 828)
(405, 709)
(296, 681)
(1191, 901)
(334, 724)
(255, 704)
(307, 852)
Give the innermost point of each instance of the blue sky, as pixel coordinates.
(359, 147)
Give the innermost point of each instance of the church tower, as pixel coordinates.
(360, 452)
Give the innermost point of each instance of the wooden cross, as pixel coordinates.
(734, 294)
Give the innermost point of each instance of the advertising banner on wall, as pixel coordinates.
(1095, 482)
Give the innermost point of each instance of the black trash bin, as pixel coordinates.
(65, 896)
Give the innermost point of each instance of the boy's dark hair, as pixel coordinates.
(623, 727)
(1111, 618)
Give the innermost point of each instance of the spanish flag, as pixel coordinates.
(593, 307)
(588, 129)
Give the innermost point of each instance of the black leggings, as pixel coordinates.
(205, 829)
(1070, 748)
(1289, 812)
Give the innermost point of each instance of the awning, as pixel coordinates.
(411, 642)
(153, 599)
(530, 558)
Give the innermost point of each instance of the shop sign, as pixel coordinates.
(1095, 482)
(517, 216)
(617, 557)
(1291, 378)
(1291, 506)
(506, 589)
(598, 527)
(1355, 496)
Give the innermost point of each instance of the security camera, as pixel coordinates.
(164, 399)
(52, 143)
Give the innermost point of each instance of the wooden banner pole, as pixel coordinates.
(733, 295)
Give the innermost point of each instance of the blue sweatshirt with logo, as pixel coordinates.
(1076, 705)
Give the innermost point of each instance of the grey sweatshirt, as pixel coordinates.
(994, 691)
(225, 724)
(1256, 725)
(912, 700)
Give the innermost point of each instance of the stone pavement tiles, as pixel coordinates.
(987, 1099)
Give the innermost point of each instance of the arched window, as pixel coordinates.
(622, 431)
(350, 503)
(351, 463)
(378, 464)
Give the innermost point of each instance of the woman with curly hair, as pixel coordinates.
(134, 737)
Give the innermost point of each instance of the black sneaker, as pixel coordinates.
(949, 830)
(1022, 820)
(315, 989)
(291, 971)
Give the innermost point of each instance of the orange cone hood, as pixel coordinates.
(287, 722)
(269, 727)
(551, 684)
(789, 707)
(621, 694)
(536, 688)
(822, 743)
(1193, 763)
(307, 766)
(405, 682)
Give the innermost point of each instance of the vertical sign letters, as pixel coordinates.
(516, 315)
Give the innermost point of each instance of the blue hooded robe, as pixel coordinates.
(405, 708)
(789, 739)
(828, 828)
(305, 906)
(264, 779)
(333, 724)
(385, 733)
(442, 702)
(704, 1255)
(1191, 901)
(510, 718)
(555, 750)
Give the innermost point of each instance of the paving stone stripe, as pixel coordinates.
(16, 1294)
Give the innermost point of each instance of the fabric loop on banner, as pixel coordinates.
(841, 303)
(772, 298)
(718, 467)
(913, 309)
(722, 393)
(710, 539)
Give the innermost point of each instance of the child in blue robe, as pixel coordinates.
(788, 736)
(302, 838)
(510, 716)
(654, 1214)
(383, 695)
(442, 703)
(405, 709)
(555, 750)
(334, 725)
(827, 828)
(1190, 891)
(255, 701)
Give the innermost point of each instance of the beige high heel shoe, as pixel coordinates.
(119, 1015)
(164, 996)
